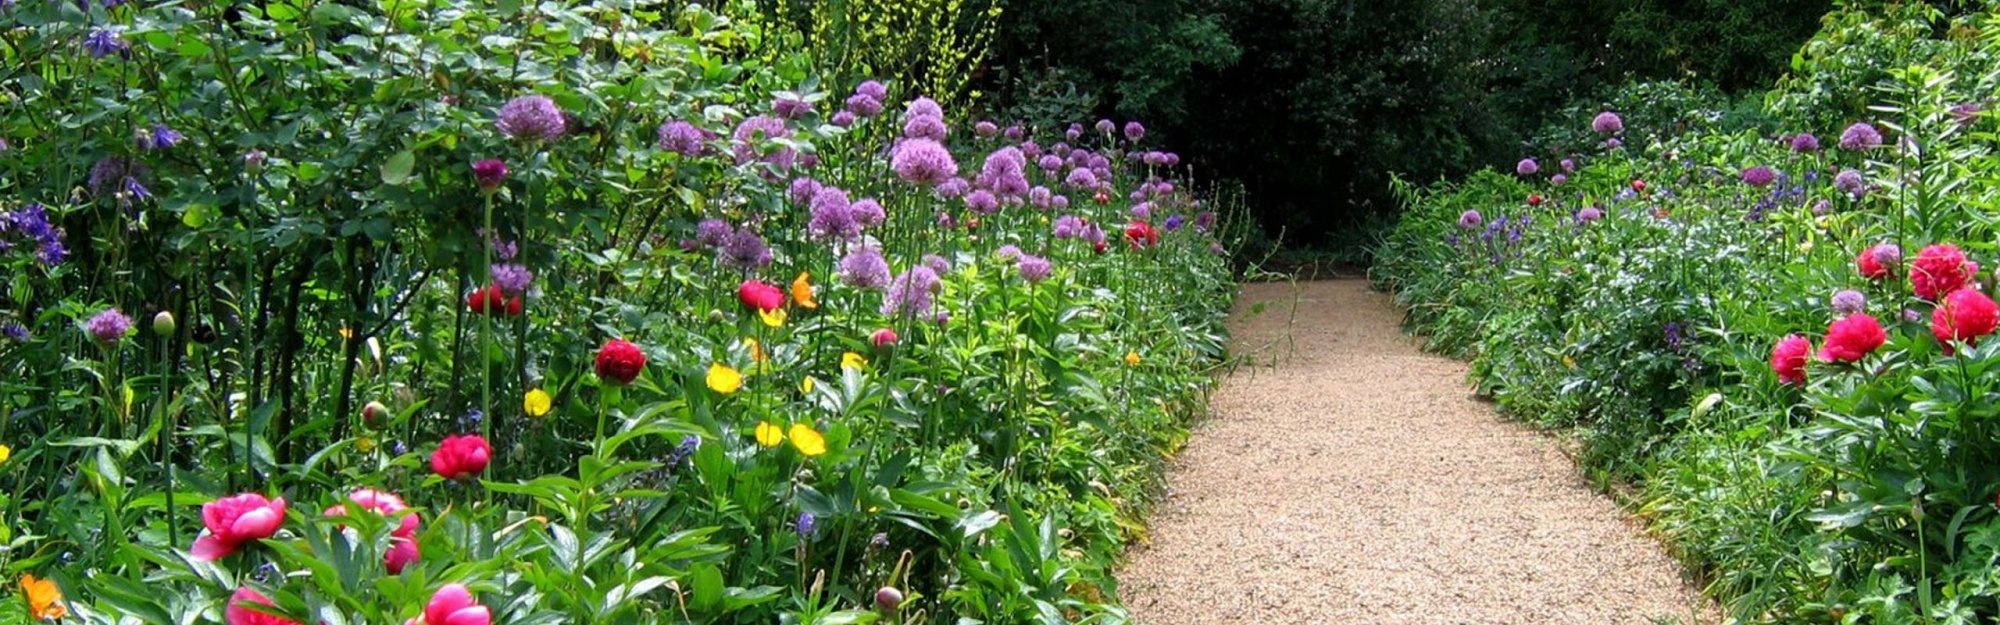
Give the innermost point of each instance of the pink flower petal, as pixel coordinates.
(209, 548)
(451, 598)
(475, 615)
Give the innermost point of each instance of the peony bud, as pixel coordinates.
(374, 414)
(889, 598)
(163, 323)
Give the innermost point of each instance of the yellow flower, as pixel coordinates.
(1569, 362)
(773, 318)
(1132, 358)
(364, 444)
(806, 385)
(537, 403)
(851, 360)
(722, 379)
(44, 599)
(346, 333)
(769, 435)
(808, 442)
(6, 452)
(756, 350)
(802, 291)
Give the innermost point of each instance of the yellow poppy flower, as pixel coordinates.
(851, 360)
(537, 403)
(773, 318)
(723, 379)
(44, 599)
(364, 444)
(769, 435)
(756, 350)
(6, 452)
(808, 441)
(802, 291)
(806, 385)
(1132, 358)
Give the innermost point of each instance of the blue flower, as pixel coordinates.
(102, 43)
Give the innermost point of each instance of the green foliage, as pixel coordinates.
(1867, 494)
(324, 237)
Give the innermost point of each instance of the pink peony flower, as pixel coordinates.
(232, 521)
(237, 614)
(402, 553)
(760, 296)
(1940, 269)
(1788, 359)
(461, 457)
(454, 605)
(1851, 338)
(1964, 315)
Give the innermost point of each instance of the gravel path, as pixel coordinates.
(1360, 482)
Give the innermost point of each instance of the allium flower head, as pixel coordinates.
(1470, 219)
(1527, 167)
(843, 119)
(790, 107)
(1559, 180)
(925, 127)
(864, 268)
(911, 293)
(1851, 183)
(1607, 123)
(1805, 142)
(982, 201)
(1041, 197)
(1074, 132)
(1940, 269)
(683, 138)
(1081, 179)
(1068, 227)
(937, 264)
(1860, 136)
(873, 89)
(745, 250)
(1879, 262)
(953, 188)
(863, 105)
(109, 326)
(832, 216)
(1105, 126)
(489, 173)
(1134, 132)
(985, 129)
(1034, 269)
(712, 232)
(1013, 133)
(1849, 302)
(1568, 166)
(868, 212)
(532, 118)
(1589, 214)
(923, 162)
(923, 107)
(1759, 176)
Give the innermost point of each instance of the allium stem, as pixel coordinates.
(486, 332)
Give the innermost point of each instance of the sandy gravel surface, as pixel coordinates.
(1359, 481)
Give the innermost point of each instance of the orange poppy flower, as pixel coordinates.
(44, 599)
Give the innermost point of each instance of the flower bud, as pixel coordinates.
(374, 414)
(888, 598)
(884, 338)
(163, 323)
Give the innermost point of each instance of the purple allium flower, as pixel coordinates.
(1008, 253)
(1805, 142)
(923, 162)
(1142, 210)
(1034, 269)
(512, 279)
(1092, 233)
(910, 293)
(985, 129)
(1014, 133)
(491, 173)
(1759, 176)
(1851, 182)
(1860, 136)
(864, 268)
(532, 118)
(1589, 214)
(756, 130)
(745, 250)
(1527, 167)
(1568, 166)
(1613, 143)
(1559, 180)
(1607, 123)
(1134, 132)
(925, 127)
(14, 330)
(1104, 126)
(1849, 302)
(923, 107)
(1040, 197)
(953, 188)
(873, 89)
(712, 232)
(1174, 222)
(831, 215)
(1888, 255)
(790, 107)
(802, 189)
(109, 326)
(1204, 221)
(1074, 132)
(982, 201)
(937, 263)
(867, 212)
(1081, 179)
(863, 105)
(1059, 202)
(101, 43)
(1912, 316)
(1069, 227)
(843, 119)
(1470, 219)
(683, 138)
(808, 160)
(1050, 163)
(1005, 172)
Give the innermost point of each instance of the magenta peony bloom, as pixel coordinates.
(231, 521)
(1940, 269)
(461, 457)
(237, 614)
(453, 605)
(1965, 315)
(1852, 338)
(1788, 359)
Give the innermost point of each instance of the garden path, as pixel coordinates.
(1359, 481)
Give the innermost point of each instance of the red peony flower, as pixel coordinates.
(1638, 185)
(883, 338)
(619, 361)
(402, 553)
(1534, 199)
(460, 457)
(236, 614)
(1788, 359)
(760, 296)
(1849, 339)
(232, 521)
(1965, 315)
(489, 300)
(1142, 234)
(1940, 269)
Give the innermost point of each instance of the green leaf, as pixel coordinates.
(399, 167)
